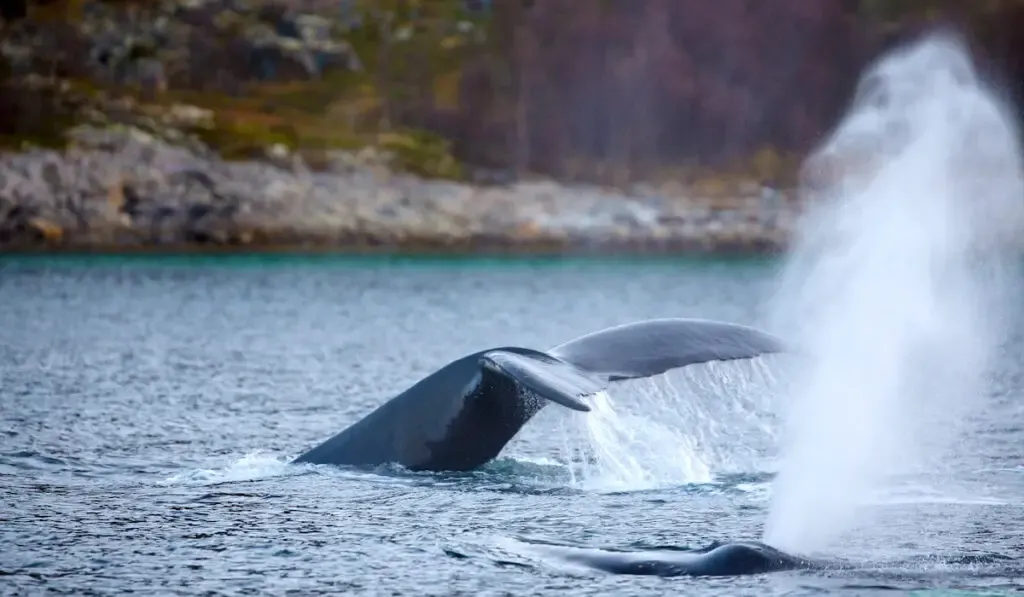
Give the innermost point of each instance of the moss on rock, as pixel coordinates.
(422, 153)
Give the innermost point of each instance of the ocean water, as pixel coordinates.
(149, 409)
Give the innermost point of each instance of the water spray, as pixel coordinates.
(683, 427)
(895, 286)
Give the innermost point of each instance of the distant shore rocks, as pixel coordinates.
(120, 189)
(196, 42)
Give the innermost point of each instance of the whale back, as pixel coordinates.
(651, 347)
(457, 418)
(717, 559)
(402, 429)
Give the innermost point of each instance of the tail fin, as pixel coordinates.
(544, 375)
(651, 347)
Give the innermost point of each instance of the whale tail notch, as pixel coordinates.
(546, 376)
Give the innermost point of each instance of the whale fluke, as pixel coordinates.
(654, 346)
(462, 415)
(545, 376)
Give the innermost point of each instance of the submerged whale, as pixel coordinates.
(718, 559)
(461, 416)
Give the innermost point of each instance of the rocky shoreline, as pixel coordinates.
(124, 190)
(230, 126)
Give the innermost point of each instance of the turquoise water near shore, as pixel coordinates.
(150, 406)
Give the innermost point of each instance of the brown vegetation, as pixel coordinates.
(605, 90)
(641, 88)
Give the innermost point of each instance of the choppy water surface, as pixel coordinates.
(149, 408)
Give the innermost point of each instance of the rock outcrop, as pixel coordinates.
(124, 189)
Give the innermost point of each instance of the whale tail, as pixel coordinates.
(649, 348)
(462, 415)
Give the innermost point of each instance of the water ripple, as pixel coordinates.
(150, 412)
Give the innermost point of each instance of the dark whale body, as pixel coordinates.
(718, 559)
(461, 416)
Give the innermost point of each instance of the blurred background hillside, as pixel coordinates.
(610, 92)
(605, 90)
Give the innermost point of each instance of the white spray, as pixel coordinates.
(896, 285)
(679, 428)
